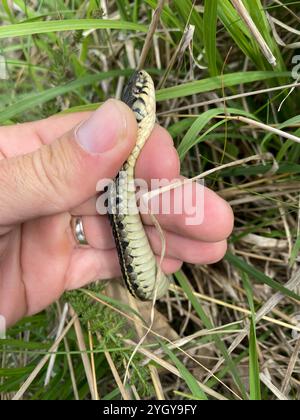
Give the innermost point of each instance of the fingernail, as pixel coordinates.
(102, 131)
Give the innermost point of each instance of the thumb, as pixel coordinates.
(59, 176)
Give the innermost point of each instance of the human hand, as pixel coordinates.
(48, 174)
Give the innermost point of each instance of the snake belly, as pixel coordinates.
(137, 260)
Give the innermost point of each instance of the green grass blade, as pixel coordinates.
(210, 31)
(7, 9)
(284, 168)
(186, 375)
(168, 17)
(115, 394)
(255, 392)
(259, 276)
(295, 252)
(238, 31)
(82, 108)
(218, 82)
(8, 372)
(123, 7)
(31, 28)
(20, 344)
(254, 380)
(259, 17)
(191, 139)
(180, 126)
(186, 10)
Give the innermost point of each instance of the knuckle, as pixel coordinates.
(53, 168)
(11, 178)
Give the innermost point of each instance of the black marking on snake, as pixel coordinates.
(141, 100)
(134, 285)
(121, 225)
(129, 269)
(138, 114)
(124, 244)
(128, 94)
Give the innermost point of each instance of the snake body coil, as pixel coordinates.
(137, 261)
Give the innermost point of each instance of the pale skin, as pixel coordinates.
(46, 178)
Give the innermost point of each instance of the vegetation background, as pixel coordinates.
(228, 331)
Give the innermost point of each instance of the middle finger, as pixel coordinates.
(99, 236)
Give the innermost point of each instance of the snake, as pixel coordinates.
(140, 270)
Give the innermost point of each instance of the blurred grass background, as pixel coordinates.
(227, 331)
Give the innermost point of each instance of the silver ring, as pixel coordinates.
(78, 231)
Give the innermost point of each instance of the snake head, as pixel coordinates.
(139, 93)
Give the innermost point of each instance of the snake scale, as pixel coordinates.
(137, 260)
